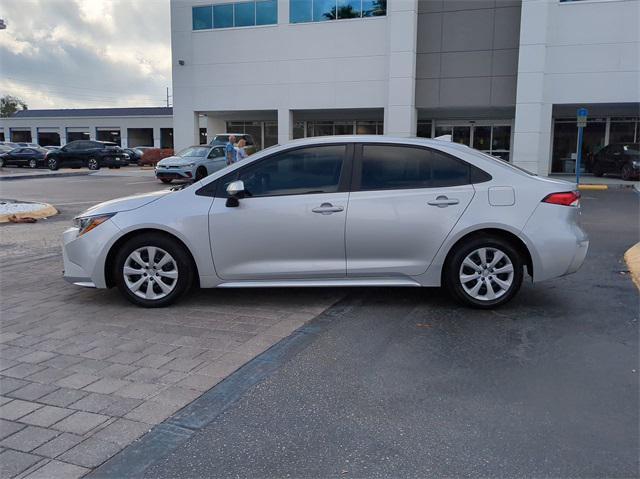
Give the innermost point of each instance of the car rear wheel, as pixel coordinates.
(153, 270)
(484, 272)
(93, 164)
(52, 164)
(201, 172)
(166, 180)
(33, 164)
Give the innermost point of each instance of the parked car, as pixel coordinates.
(30, 145)
(619, 159)
(89, 153)
(193, 163)
(5, 148)
(31, 157)
(51, 147)
(223, 139)
(135, 154)
(337, 211)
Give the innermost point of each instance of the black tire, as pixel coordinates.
(597, 170)
(93, 164)
(201, 172)
(117, 167)
(453, 270)
(33, 163)
(52, 164)
(166, 180)
(1, 162)
(627, 172)
(185, 268)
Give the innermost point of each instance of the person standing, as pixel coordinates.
(241, 154)
(230, 151)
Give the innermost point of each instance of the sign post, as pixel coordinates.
(582, 122)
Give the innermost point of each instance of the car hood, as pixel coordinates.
(125, 204)
(176, 161)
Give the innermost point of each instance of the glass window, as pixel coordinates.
(462, 134)
(424, 129)
(622, 132)
(501, 138)
(482, 138)
(298, 130)
(386, 167)
(245, 14)
(193, 152)
(217, 152)
(374, 8)
(223, 16)
(343, 128)
(267, 12)
(349, 8)
(320, 128)
(443, 130)
(366, 128)
(302, 171)
(202, 17)
(448, 171)
(300, 11)
(271, 133)
(324, 10)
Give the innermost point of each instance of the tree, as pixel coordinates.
(11, 104)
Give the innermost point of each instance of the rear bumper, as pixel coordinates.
(557, 244)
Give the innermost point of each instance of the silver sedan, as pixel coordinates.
(337, 211)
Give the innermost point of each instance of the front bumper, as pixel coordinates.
(174, 173)
(84, 256)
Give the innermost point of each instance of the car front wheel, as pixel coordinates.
(627, 172)
(52, 164)
(93, 164)
(153, 270)
(33, 164)
(484, 272)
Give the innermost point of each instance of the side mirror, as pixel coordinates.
(235, 190)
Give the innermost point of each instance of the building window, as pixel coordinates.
(302, 11)
(203, 136)
(424, 128)
(624, 130)
(565, 143)
(369, 127)
(240, 14)
(202, 17)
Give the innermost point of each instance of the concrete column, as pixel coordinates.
(215, 126)
(156, 137)
(185, 128)
(285, 125)
(283, 11)
(532, 128)
(34, 134)
(400, 116)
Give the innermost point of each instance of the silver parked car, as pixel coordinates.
(193, 163)
(337, 211)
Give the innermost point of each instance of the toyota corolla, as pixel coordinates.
(337, 211)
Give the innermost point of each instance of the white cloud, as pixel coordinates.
(86, 53)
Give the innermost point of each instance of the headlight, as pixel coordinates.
(191, 165)
(87, 223)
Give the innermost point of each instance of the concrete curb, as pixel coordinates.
(46, 211)
(594, 187)
(632, 258)
(44, 175)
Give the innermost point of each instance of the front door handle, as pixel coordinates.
(327, 209)
(443, 202)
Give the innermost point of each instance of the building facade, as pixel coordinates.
(502, 76)
(128, 127)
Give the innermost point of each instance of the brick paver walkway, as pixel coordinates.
(84, 373)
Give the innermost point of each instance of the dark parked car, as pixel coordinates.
(31, 157)
(135, 153)
(92, 154)
(619, 159)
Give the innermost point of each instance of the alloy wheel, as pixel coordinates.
(150, 272)
(486, 274)
(52, 164)
(33, 163)
(92, 164)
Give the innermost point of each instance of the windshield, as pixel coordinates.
(193, 152)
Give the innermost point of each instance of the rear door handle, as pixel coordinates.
(327, 209)
(443, 202)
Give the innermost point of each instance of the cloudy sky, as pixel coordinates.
(85, 53)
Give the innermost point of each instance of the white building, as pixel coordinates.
(504, 76)
(125, 126)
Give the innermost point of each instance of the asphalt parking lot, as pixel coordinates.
(387, 383)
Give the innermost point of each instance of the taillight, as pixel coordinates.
(567, 198)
